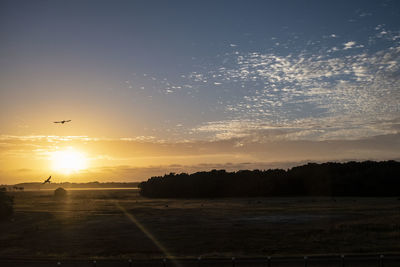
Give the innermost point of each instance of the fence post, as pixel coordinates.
(268, 261)
(130, 262)
(381, 260)
(233, 261)
(305, 261)
(342, 256)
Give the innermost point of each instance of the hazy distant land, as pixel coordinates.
(67, 185)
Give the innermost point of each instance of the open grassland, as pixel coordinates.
(122, 224)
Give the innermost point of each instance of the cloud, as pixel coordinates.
(349, 45)
(333, 128)
(350, 91)
(364, 14)
(24, 170)
(314, 91)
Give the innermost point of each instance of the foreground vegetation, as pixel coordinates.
(6, 205)
(367, 178)
(123, 224)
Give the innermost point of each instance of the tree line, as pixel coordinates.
(368, 178)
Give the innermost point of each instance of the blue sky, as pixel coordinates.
(203, 71)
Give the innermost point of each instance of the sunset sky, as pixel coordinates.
(154, 87)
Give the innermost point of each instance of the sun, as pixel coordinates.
(68, 161)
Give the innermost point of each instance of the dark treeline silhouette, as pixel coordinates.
(367, 178)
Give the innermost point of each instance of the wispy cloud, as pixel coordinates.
(326, 94)
(340, 89)
(323, 89)
(332, 128)
(349, 45)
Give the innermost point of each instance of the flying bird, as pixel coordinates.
(62, 122)
(47, 180)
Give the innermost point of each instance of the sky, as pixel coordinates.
(153, 87)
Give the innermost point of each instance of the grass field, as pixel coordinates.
(121, 224)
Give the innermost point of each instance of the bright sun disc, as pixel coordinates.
(67, 161)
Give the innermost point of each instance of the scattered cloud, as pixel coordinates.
(333, 90)
(364, 14)
(349, 45)
(322, 96)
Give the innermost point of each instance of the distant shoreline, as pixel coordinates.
(70, 186)
(85, 188)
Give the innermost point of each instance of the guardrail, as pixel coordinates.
(388, 260)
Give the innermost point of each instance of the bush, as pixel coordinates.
(60, 193)
(6, 205)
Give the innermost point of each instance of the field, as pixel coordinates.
(115, 224)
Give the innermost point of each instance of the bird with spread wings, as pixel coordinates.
(62, 122)
(47, 180)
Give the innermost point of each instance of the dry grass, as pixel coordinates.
(115, 224)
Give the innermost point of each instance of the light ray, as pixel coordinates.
(132, 218)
